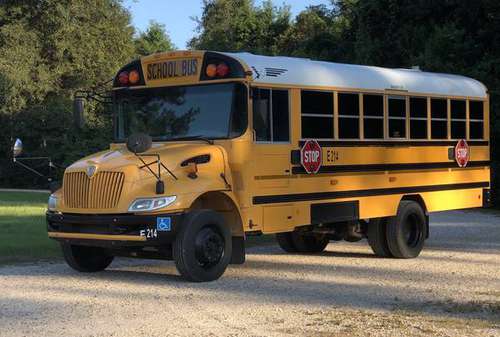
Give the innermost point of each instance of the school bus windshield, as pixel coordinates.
(212, 111)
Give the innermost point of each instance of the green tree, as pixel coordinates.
(49, 50)
(154, 39)
(236, 25)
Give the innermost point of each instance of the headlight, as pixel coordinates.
(52, 203)
(150, 204)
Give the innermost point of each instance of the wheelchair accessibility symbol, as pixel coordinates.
(163, 224)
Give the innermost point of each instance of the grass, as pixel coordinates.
(23, 233)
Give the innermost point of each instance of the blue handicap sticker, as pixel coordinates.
(163, 224)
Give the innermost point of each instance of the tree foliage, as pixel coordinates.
(154, 39)
(233, 25)
(50, 49)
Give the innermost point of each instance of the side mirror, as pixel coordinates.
(78, 108)
(17, 149)
(139, 143)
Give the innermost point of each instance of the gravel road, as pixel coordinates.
(452, 289)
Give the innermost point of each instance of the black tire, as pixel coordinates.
(309, 243)
(86, 259)
(406, 232)
(377, 238)
(203, 246)
(285, 242)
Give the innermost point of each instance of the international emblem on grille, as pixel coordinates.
(91, 170)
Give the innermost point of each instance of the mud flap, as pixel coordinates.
(238, 256)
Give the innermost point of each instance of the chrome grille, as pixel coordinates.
(103, 190)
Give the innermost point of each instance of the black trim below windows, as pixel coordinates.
(272, 199)
(389, 167)
(389, 143)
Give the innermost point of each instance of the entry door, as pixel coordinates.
(271, 155)
(271, 123)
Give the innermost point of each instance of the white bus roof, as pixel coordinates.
(306, 72)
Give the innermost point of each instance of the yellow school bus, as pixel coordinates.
(211, 147)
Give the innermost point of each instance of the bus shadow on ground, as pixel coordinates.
(260, 288)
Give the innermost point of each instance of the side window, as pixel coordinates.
(476, 119)
(317, 114)
(281, 119)
(373, 117)
(418, 118)
(458, 119)
(271, 115)
(239, 117)
(397, 117)
(348, 116)
(439, 119)
(262, 114)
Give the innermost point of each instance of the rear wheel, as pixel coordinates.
(309, 243)
(406, 232)
(285, 242)
(300, 242)
(86, 259)
(203, 247)
(377, 238)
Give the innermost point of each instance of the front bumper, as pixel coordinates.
(116, 230)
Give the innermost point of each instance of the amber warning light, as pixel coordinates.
(217, 70)
(129, 78)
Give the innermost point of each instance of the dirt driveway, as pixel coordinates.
(452, 289)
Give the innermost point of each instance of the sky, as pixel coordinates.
(177, 18)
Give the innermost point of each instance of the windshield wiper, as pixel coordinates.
(198, 137)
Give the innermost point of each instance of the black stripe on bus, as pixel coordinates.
(388, 167)
(272, 199)
(404, 143)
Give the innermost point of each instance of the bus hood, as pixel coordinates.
(118, 170)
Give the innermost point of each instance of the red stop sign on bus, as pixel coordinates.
(310, 156)
(462, 153)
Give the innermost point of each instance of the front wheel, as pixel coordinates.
(202, 249)
(86, 259)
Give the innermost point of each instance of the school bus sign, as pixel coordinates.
(310, 156)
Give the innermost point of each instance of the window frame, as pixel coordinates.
(426, 118)
(332, 116)
(402, 97)
(271, 116)
(463, 120)
(358, 117)
(446, 119)
(485, 109)
(363, 115)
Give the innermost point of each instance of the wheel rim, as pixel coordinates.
(412, 230)
(209, 247)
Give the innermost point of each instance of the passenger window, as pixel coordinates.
(439, 118)
(476, 119)
(373, 116)
(271, 115)
(397, 117)
(280, 113)
(458, 119)
(348, 116)
(317, 114)
(418, 118)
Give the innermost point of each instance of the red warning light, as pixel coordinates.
(123, 78)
